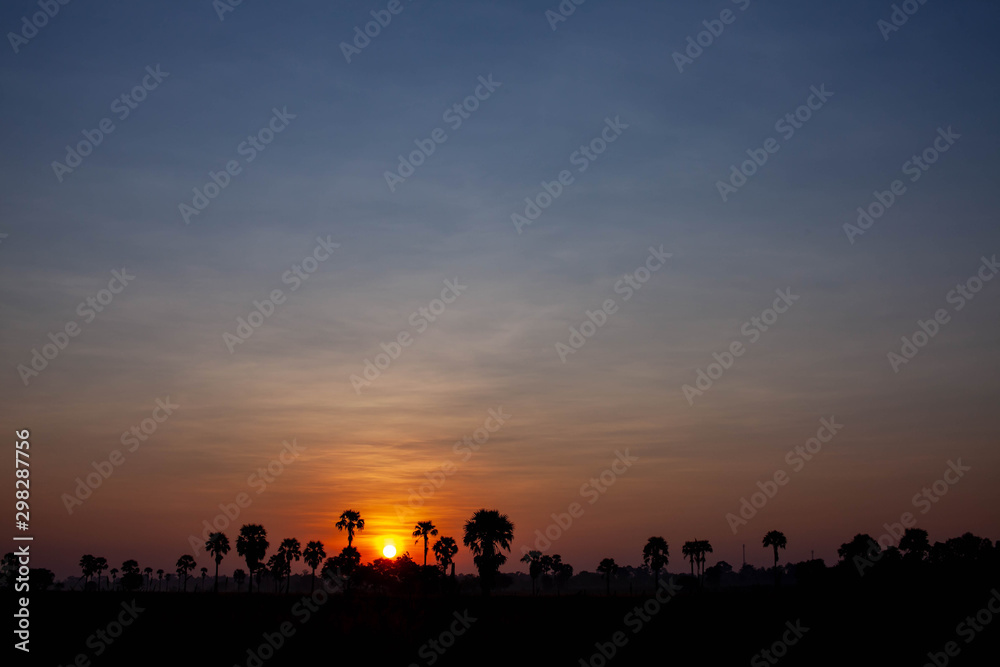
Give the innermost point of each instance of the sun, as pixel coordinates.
(389, 551)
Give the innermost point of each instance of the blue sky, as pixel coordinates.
(324, 175)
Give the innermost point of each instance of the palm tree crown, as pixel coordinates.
(424, 529)
(350, 520)
(486, 534)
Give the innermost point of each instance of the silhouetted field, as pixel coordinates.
(845, 624)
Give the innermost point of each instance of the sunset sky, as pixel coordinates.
(494, 347)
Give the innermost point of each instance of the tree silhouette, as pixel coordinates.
(537, 566)
(486, 534)
(313, 556)
(562, 571)
(252, 545)
(204, 573)
(184, 565)
(424, 529)
(131, 575)
(444, 551)
(276, 566)
(690, 551)
(703, 547)
(350, 521)
(100, 565)
(289, 550)
(149, 573)
(776, 540)
(915, 543)
(159, 576)
(217, 546)
(114, 577)
(345, 565)
(87, 566)
(607, 567)
(238, 576)
(655, 555)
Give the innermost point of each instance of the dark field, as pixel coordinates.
(841, 625)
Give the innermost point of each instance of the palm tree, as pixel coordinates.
(313, 556)
(775, 539)
(184, 565)
(655, 555)
(159, 575)
(149, 573)
(351, 521)
(252, 545)
(607, 567)
(424, 529)
(537, 566)
(204, 572)
(703, 547)
(486, 534)
(289, 550)
(100, 565)
(444, 551)
(238, 576)
(87, 563)
(217, 546)
(690, 551)
(114, 577)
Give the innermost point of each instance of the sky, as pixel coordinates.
(630, 140)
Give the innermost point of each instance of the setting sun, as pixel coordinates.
(389, 551)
